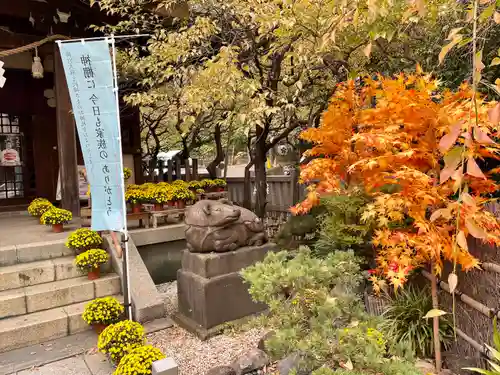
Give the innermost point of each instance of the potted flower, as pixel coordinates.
(195, 185)
(220, 184)
(102, 312)
(135, 197)
(56, 217)
(84, 239)
(208, 185)
(127, 173)
(139, 361)
(90, 262)
(117, 340)
(182, 194)
(161, 195)
(39, 206)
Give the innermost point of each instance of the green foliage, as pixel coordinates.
(311, 303)
(494, 353)
(139, 361)
(106, 310)
(300, 226)
(404, 321)
(119, 339)
(387, 367)
(84, 239)
(341, 227)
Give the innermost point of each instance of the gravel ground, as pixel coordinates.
(169, 293)
(196, 357)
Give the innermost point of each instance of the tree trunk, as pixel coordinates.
(260, 172)
(219, 156)
(247, 188)
(435, 305)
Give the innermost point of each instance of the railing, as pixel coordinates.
(283, 191)
(173, 169)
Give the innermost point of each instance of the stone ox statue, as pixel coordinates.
(220, 226)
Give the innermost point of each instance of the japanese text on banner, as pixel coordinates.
(89, 73)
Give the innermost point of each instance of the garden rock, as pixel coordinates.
(262, 341)
(425, 367)
(221, 370)
(292, 362)
(252, 360)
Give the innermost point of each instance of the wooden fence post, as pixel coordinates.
(294, 181)
(170, 168)
(178, 173)
(152, 166)
(161, 174)
(187, 170)
(195, 169)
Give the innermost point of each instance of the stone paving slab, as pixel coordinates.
(78, 345)
(47, 352)
(70, 366)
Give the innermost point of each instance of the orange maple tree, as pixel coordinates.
(405, 132)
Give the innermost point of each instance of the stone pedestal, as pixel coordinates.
(211, 291)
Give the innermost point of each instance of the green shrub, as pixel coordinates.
(341, 227)
(404, 321)
(139, 361)
(311, 303)
(494, 362)
(387, 367)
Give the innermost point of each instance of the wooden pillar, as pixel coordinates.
(139, 173)
(195, 169)
(66, 140)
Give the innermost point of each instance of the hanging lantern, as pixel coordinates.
(37, 67)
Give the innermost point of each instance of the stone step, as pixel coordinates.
(30, 329)
(39, 272)
(10, 255)
(31, 299)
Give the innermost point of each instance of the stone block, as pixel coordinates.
(211, 302)
(8, 256)
(65, 268)
(42, 250)
(59, 293)
(143, 237)
(166, 366)
(215, 264)
(146, 301)
(26, 274)
(12, 303)
(75, 322)
(107, 285)
(31, 329)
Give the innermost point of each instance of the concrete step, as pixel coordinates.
(39, 272)
(59, 293)
(30, 329)
(10, 255)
